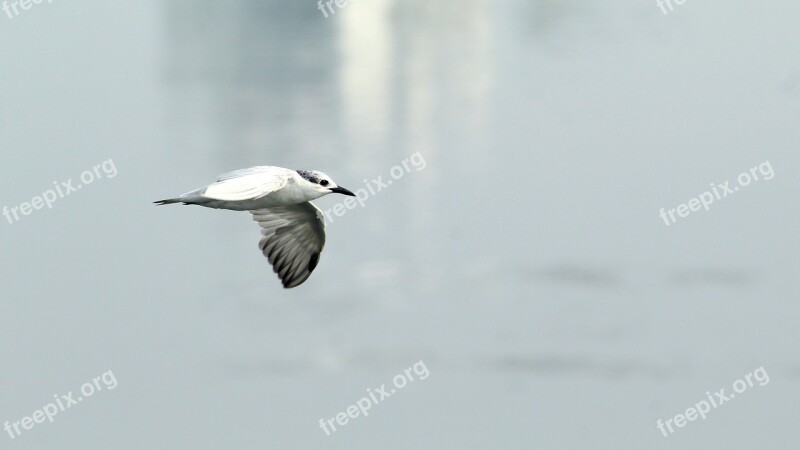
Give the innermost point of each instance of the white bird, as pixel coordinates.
(280, 201)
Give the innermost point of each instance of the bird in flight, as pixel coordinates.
(279, 199)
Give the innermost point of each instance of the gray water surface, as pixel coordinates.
(524, 263)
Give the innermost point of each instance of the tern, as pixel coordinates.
(279, 199)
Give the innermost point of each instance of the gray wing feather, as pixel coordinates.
(293, 240)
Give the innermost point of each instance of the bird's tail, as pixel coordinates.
(170, 201)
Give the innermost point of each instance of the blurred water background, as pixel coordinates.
(526, 264)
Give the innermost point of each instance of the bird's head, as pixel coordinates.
(321, 183)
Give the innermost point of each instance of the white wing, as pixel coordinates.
(293, 240)
(247, 184)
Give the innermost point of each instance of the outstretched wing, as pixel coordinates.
(247, 184)
(293, 240)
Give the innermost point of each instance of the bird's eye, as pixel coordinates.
(323, 183)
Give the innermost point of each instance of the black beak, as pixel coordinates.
(341, 190)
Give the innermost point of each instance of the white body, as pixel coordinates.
(256, 188)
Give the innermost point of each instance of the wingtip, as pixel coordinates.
(293, 282)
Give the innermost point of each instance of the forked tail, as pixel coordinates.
(170, 201)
